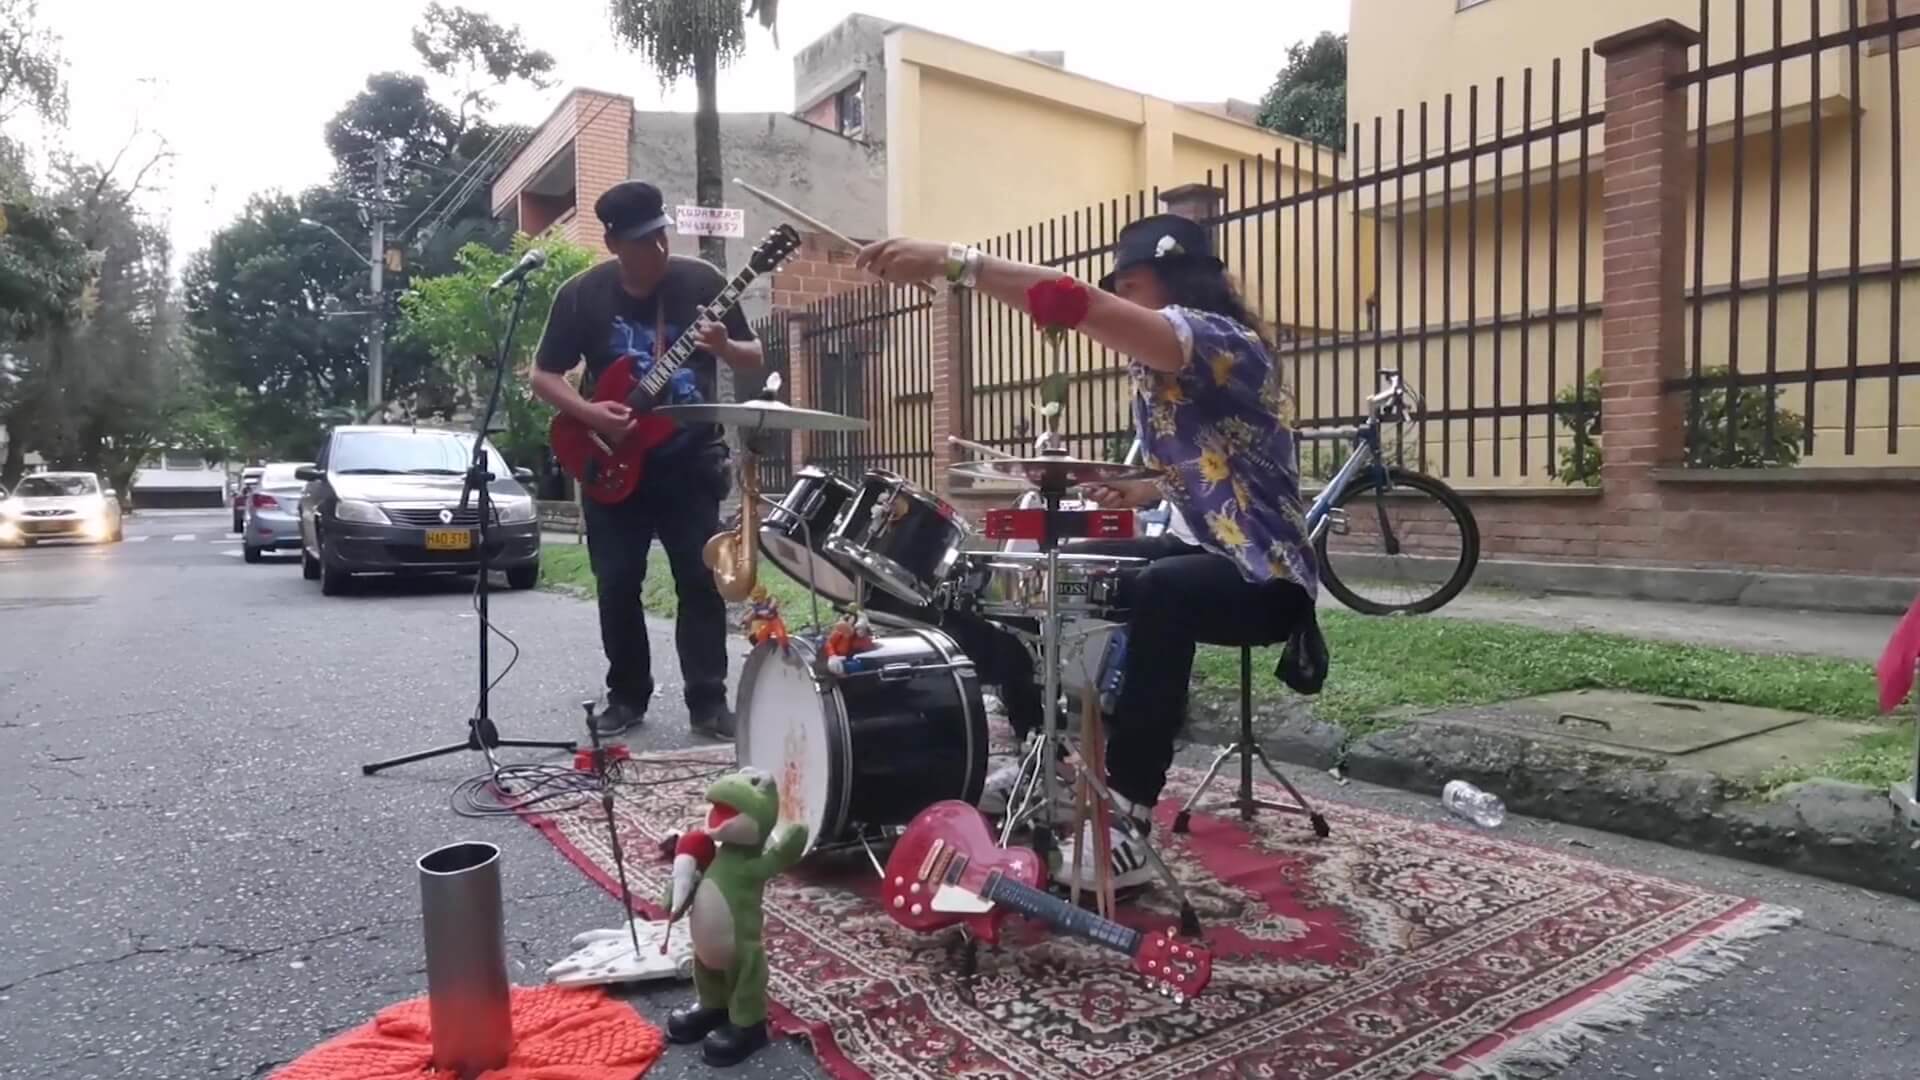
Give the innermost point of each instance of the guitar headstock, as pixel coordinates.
(1179, 967)
(778, 246)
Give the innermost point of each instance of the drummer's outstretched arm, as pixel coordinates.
(1135, 331)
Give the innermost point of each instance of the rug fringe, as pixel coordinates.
(1555, 1044)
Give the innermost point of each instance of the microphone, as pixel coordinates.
(531, 261)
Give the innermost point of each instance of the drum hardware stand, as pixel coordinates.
(482, 735)
(1045, 754)
(613, 830)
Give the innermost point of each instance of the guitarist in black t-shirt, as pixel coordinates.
(636, 305)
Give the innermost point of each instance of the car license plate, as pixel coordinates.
(449, 539)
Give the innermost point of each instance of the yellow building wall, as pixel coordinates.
(1404, 52)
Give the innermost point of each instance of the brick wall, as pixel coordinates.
(602, 125)
(822, 268)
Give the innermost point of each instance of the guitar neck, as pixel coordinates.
(662, 372)
(1049, 908)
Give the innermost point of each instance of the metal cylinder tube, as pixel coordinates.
(466, 938)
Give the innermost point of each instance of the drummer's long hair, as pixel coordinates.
(1205, 288)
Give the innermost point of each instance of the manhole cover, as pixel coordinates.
(1642, 722)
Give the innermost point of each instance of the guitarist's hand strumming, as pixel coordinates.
(610, 418)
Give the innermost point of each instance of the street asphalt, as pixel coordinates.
(201, 883)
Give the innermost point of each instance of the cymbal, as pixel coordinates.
(761, 414)
(1051, 471)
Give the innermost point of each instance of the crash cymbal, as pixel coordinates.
(1052, 471)
(762, 415)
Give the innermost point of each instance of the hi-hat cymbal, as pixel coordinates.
(1052, 471)
(762, 415)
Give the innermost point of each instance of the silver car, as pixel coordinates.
(273, 511)
(60, 506)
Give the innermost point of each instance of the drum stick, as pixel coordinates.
(955, 440)
(811, 222)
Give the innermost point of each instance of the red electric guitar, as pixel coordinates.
(949, 871)
(608, 468)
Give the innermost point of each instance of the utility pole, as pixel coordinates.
(376, 265)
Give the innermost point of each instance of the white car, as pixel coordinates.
(60, 506)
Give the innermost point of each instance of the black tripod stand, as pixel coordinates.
(481, 733)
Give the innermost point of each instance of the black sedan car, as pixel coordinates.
(387, 500)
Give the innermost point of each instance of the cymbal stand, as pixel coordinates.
(1043, 758)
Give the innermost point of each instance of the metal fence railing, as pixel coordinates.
(870, 355)
(1453, 244)
(1797, 270)
(776, 461)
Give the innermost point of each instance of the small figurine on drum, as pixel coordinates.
(852, 635)
(763, 621)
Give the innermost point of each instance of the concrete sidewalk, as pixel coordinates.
(1840, 635)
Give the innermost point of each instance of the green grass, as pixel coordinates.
(1876, 760)
(1384, 665)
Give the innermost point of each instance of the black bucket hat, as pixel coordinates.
(630, 210)
(1162, 238)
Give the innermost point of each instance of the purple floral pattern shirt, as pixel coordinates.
(1226, 458)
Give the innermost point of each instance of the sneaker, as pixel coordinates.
(714, 721)
(616, 718)
(1126, 841)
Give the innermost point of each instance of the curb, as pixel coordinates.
(1824, 828)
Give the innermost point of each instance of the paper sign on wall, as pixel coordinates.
(709, 221)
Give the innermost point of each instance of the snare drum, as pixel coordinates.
(873, 747)
(794, 534)
(899, 537)
(1014, 584)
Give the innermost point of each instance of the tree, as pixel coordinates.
(103, 389)
(272, 304)
(449, 316)
(258, 304)
(1309, 98)
(32, 71)
(693, 37)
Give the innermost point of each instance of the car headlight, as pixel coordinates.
(365, 513)
(515, 511)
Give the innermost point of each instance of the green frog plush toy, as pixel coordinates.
(720, 876)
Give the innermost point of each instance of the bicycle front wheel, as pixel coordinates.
(1403, 547)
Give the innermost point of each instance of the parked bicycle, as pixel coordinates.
(1391, 541)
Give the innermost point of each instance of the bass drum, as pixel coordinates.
(874, 747)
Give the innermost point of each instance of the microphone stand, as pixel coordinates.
(481, 733)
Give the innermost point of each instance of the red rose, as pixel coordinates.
(1058, 305)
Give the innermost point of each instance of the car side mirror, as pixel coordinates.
(524, 476)
(110, 492)
(307, 472)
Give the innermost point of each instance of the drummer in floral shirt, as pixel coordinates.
(1234, 566)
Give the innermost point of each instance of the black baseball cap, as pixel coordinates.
(631, 209)
(1163, 238)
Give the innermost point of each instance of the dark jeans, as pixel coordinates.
(1186, 596)
(679, 504)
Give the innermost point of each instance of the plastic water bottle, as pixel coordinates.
(1482, 808)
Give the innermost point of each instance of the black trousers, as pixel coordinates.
(678, 504)
(1184, 597)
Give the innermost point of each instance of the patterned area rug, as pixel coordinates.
(1393, 949)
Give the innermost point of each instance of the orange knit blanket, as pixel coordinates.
(560, 1033)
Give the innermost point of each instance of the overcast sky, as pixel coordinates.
(240, 89)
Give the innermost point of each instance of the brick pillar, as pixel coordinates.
(800, 369)
(1195, 202)
(952, 363)
(1645, 180)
